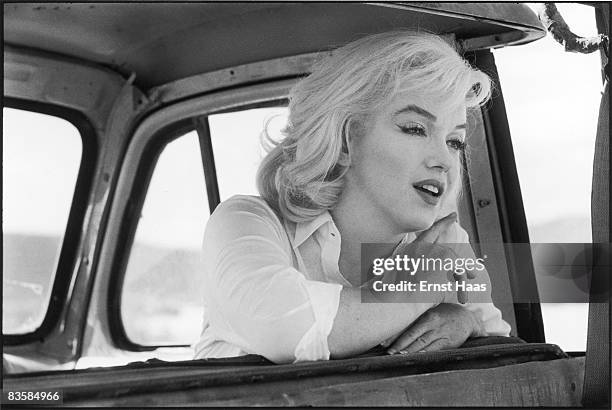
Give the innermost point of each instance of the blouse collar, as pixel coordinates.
(304, 230)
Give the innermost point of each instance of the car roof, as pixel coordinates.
(164, 42)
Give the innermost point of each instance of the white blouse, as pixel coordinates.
(272, 287)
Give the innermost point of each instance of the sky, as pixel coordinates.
(40, 160)
(552, 101)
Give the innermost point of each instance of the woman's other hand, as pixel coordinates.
(432, 243)
(439, 230)
(448, 233)
(446, 326)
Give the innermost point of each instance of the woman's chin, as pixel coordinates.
(418, 225)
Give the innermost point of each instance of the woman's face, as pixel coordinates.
(405, 164)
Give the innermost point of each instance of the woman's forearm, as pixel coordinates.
(359, 326)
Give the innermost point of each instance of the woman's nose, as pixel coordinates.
(439, 156)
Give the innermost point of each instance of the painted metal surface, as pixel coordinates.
(163, 42)
(513, 223)
(51, 79)
(261, 71)
(479, 202)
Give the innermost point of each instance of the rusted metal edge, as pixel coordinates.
(116, 383)
(553, 383)
(522, 33)
(448, 9)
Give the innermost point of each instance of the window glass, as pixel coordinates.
(237, 145)
(41, 156)
(161, 303)
(552, 101)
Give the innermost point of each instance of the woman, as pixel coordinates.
(371, 154)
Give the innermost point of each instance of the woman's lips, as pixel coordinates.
(431, 190)
(428, 198)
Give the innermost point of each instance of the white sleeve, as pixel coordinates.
(257, 299)
(489, 315)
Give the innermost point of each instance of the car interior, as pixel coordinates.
(153, 93)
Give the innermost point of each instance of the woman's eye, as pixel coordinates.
(456, 144)
(413, 129)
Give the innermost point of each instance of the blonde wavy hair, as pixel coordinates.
(302, 175)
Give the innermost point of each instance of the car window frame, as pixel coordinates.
(205, 133)
(146, 168)
(102, 330)
(521, 273)
(129, 225)
(68, 254)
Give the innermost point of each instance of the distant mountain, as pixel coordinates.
(28, 268)
(174, 273)
(29, 258)
(29, 261)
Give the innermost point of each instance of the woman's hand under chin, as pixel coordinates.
(447, 326)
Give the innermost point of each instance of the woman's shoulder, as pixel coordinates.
(245, 203)
(244, 207)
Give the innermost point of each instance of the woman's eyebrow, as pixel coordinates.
(417, 110)
(422, 111)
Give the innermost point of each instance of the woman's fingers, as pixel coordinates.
(431, 234)
(438, 344)
(462, 296)
(420, 343)
(418, 329)
(387, 342)
(445, 326)
(412, 344)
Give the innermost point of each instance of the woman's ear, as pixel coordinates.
(348, 132)
(347, 135)
(353, 131)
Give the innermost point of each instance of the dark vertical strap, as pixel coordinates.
(208, 162)
(596, 390)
